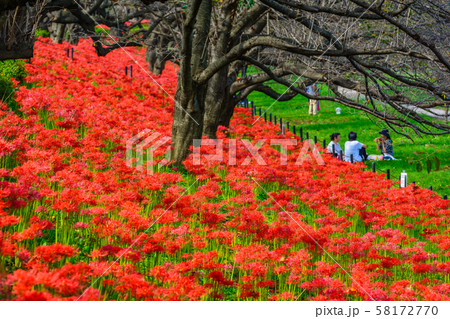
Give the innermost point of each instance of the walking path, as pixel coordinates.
(439, 114)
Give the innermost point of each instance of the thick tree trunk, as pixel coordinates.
(57, 32)
(187, 120)
(17, 31)
(218, 92)
(227, 111)
(215, 102)
(190, 96)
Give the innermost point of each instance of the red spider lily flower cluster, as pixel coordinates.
(77, 223)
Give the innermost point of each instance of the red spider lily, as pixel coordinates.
(64, 180)
(55, 252)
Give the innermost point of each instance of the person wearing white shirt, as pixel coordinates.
(353, 147)
(335, 138)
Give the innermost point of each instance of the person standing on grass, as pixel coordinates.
(355, 148)
(384, 144)
(335, 138)
(313, 104)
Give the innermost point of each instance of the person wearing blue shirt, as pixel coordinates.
(355, 148)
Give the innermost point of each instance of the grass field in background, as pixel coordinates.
(408, 153)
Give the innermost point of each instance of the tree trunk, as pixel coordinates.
(215, 103)
(17, 30)
(190, 96)
(187, 120)
(227, 111)
(218, 92)
(57, 32)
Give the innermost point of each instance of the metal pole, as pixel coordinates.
(388, 173)
(293, 127)
(351, 158)
(373, 167)
(324, 144)
(131, 71)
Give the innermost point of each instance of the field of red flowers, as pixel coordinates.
(76, 223)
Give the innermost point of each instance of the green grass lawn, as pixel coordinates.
(327, 122)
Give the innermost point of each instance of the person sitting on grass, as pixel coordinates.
(335, 138)
(384, 144)
(355, 148)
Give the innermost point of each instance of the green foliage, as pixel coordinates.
(9, 70)
(13, 69)
(100, 30)
(42, 33)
